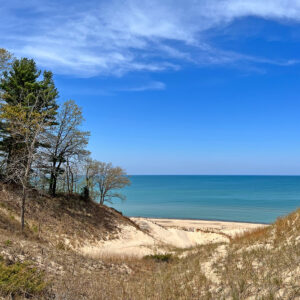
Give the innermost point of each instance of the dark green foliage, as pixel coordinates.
(85, 193)
(8, 243)
(20, 279)
(21, 85)
(160, 257)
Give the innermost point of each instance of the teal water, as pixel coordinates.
(231, 198)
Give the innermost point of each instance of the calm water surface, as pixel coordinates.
(232, 198)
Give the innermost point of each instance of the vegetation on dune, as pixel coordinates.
(54, 219)
(21, 279)
(5, 60)
(259, 264)
(66, 146)
(42, 145)
(167, 257)
(107, 179)
(48, 177)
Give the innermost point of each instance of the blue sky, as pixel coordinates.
(173, 87)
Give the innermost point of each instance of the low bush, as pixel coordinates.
(160, 257)
(20, 279)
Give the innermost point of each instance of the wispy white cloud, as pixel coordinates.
(154, 85)
(88, 38)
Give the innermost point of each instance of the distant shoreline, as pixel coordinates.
(200, 220)
(220, 175)
(222, 227)
(227, 198)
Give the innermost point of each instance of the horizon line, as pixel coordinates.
(213, 174)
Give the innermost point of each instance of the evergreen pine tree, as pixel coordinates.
(21, 85)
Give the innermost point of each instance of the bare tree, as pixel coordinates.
(109, 180)
(26, 124)
(5, 60)
(65, 141)
(73, 173)
(90, 170)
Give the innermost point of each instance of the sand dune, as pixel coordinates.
(161, 235)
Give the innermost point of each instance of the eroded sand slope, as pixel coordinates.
(161, 235)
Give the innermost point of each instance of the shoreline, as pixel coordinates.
(200, 220)
(223, 227)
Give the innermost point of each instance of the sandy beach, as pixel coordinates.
(163, 235)
(226, 227)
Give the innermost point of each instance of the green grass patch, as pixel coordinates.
(20, 279)
(8, 243)
(35, 228)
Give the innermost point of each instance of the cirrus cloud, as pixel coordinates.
(112, 38)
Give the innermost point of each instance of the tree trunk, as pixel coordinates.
(23, 203)
(101, 199)
(53, 191)
(72, 181)
(68, 180)
(52, 185)
(54, 182)
(52, 176)
(9, 160)
(51, 182)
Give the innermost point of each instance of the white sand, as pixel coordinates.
(161, 235)
(228, 228)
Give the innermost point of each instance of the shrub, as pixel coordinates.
(61, 246)
(20, 279)
(85, 193)
(35, 228)
(8, 243)
(160, 257)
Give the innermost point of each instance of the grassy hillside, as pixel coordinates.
(263, 264)
(60, 217)
(44, 264)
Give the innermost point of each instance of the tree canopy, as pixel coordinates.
(65, 141)
(109, 181)
(20, 86)
(5, 60)
(42, 145)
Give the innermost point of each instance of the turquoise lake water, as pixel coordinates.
(232, 198)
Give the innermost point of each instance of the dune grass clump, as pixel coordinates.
(20, 279)
(167, 257)
(251, 236)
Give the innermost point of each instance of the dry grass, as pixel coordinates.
(251, 236)
(264, 262)
(261, 264)
(54, 219)
(151, 279)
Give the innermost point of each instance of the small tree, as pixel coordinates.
(109, 180)
(25, 125)
(23, 86)
(73, 173)
(65, 141)
(90, 169)
(6, 59)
